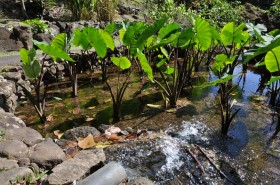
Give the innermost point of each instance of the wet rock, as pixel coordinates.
(27, 135)
(24, 34)
(43, 37)
(10, 121)
(83, 132)
(76, 168)
(15, 149)
(7, 164)
(6, 177)
(47, 154)
(141, 181)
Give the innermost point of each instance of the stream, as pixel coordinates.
(243, 157)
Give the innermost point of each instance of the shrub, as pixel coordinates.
(37, 25)
(170, 11)
(219, 12)
(81, 8)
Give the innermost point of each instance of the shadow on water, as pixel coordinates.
(235, 141)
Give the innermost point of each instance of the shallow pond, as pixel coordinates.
(245, 157)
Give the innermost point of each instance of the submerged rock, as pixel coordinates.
(77, 168)
(141, 181)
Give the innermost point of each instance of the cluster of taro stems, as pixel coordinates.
(167, 54)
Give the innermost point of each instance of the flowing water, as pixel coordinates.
(242, 156)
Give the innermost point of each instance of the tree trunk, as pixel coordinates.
(23, 9)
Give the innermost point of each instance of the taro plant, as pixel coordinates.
(233, 40)
(99, 40)
(267, 53)
(171, 40)
(226, 88)
(122, 63)
(34, 71)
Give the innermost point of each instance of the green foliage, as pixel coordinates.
(121, 62)
(272, 60)
(106, 9)
(274, 11)
(53, 51)
(219, 12)
(31, 66)
(81, 9)
(37, 25)
(169, 11)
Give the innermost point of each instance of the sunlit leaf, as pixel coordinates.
(87, 142)
(58, 133)
(121, 62)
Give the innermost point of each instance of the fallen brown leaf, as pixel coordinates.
(114, 137)
(87, 142)
(49, 118)
(76, 111)
(58, 133)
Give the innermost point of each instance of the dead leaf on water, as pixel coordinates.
(87, 142)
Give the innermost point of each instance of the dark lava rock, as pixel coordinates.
(83, 132)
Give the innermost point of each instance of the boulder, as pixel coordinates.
(43, 37)
(75, 169)
(13, 149)
(54, 29)
(11, 176)
(4, 33)
(47, 154)
(27, 135)
(8, 100)
(14, 76)
(7, 164)
(10, 121)
(10, 45)
(23, 34)
(83, 132)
